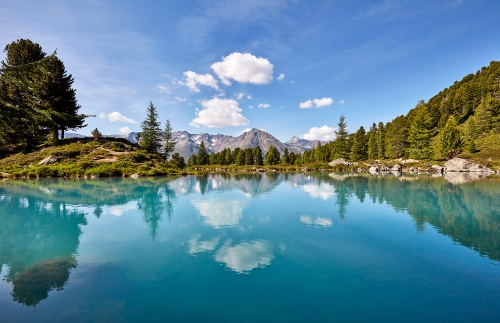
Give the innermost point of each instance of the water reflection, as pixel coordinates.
(221, 212)
(245, 256)
(41, 221)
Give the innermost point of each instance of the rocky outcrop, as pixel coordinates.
(47, 161)
(341, 161)
(461, 165)
(135, 176)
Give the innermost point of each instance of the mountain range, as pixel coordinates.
(188, 144)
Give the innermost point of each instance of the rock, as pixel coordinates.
(461, 178)
(47, 161)
(396, 168)
(464, 166)
(373, 169)
(339, 161)
(437, 168)
(135, 176)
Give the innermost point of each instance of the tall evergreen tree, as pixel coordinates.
(285, 159)
(380, 140)
(169, 142)
(372, 142)
(202, 158)
(258, 156)
(359, 147)
(192, 161)
(151, 134)
(272, 156)
(240, 158)
(420, 135)
(450, 142)
(341, 149)
(249, 160)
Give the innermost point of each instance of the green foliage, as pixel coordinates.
(359, 149)
(285, 159)
(272, 156)
(96, 134)
(202, 158)
(451, 139)
(151, 135)
(372, 142)
(258, 157)
(192, 161)
(341, 148)
(169, 142)
(380, 139)
(178, 161)
(420, 135)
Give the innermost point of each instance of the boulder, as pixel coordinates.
(339, 161)
(437, 168)
(135, 176)
(373, 169)
(464, 166)
(395, 168)
(47, 161)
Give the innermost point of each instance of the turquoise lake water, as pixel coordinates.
(250, 248)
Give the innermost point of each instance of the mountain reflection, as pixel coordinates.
(41, 221)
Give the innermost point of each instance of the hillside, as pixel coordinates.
(85, 157)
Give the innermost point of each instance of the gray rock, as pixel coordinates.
(396, 168)
(373, 169)
(135, 176)
(47, 161)
(437, 168)
(464, 166)
(339, 161)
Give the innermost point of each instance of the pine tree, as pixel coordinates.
(202, 158)
(249, 156)
(285, 159)
(341, 149)
(258, 156)
(96, 134)
(192, 161)
(471, 128)
(178, 160)
(380, 141)
(372, 142)
(228, 158)
(151, 135)
(420, 135)
(272, 156)
(169, 142)
(359, 147)
(451, 139)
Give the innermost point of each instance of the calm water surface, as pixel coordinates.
(250, 248)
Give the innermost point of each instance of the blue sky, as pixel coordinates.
(208, 65)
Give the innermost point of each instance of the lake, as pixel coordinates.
(276, 247)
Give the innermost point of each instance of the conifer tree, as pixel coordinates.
(202, 158)
(258, 156)
(471, 128)
(285, 159)
(192, 161)
(380, 140)
(228, 158)
(151, 135)
(359, 147)
(249, 160)
(372, 142)
(169, 142)
(96, 134)
(240, 158)
(341, 149)
(451, 139)
(178, 160)
(272, 156)
(420, 135)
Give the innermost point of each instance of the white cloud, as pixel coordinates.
(306, 105)
(250, 106)
(180, 99)
(102, 115)
(218, 113)
(125, 130)
(323, 191)
(117, 116)
(318, 103)
(281, 77)
(163, 88)
(318, 222)
(221, 212)
(239, 96)
(249, 96)
(192, 79)
(341, 101)
(244, 68)
(263, 106)
(201, 246)
(245, 256)
(322, 133)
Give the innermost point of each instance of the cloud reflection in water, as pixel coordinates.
(244, 257)
(221, 212)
